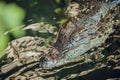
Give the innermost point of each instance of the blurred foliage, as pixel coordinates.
(48, 11)
(58, 10)
(62, 21)
(11, 16)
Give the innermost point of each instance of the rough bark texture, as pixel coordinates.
(87, 47)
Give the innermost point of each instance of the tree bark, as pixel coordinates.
(94, 57)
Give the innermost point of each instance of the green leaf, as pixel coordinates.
(3, 43)
(18, 33)
(62, 21)
(13, 15)
(58, 10)
(58, 1)
(2, 5)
